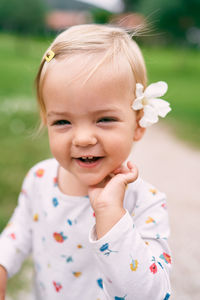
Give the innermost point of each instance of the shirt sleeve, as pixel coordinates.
(134, 257)
(15, 240)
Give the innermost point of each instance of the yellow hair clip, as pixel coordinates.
(50, 54)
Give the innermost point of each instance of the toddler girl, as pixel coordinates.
(96, 231)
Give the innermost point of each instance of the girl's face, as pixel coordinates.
(91, 126)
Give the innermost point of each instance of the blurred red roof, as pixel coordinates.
(58, 20)
(128, 20)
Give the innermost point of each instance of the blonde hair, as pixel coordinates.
(91, 39)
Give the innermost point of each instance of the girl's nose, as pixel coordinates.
(83, 138)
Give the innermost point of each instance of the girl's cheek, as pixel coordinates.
(53, 142)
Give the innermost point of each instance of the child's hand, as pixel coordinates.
(3, 281)
(107, 197)
(110, 193)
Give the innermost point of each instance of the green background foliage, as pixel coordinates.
(175, 18)
(23, 16)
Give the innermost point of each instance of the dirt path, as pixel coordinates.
(175, 169)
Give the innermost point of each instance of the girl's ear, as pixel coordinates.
(139, 131)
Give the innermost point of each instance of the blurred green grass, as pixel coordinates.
(20, 149)
(180, 68)
(20, 146)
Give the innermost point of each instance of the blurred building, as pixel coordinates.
(128, 20)
(65, 13)
(61, 19)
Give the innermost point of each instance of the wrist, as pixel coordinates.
(105, 220)
(110, 212)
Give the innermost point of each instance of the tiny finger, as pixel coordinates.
(119, 170)
(133, 169)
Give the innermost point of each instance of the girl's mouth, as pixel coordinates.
(88, 161)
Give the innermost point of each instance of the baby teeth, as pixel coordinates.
(87, 157)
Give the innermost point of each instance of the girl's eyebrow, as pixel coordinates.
(55, 113)
(63, 113)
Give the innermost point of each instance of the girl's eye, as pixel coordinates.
(61, 122)
(107, 120)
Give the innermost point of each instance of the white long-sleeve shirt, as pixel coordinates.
(130, 262)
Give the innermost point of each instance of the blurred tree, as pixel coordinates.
(24, 16)
(69, 5)
(100, 16)
(174, 17)
(131, 5)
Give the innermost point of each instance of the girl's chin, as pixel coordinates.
(99, 181)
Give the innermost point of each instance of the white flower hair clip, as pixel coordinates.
(149, 101)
